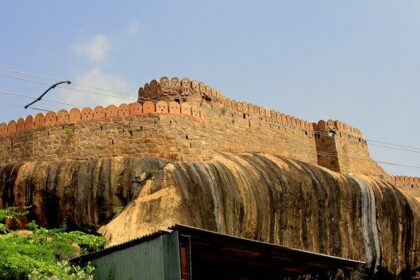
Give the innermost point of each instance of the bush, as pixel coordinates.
(43, 253)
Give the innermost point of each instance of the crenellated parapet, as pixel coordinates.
(337, 127)
(413, 182)
(409, 185)
(175, 89)
(182, 90)
(224, 125)
(76, 115)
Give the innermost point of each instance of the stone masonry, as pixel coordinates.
(184, 120)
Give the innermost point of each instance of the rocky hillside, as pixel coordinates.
(256, 196)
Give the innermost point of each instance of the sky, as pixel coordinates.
(356, 61)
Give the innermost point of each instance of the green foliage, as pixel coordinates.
(44, 253)
(32, 225)
(11, 214)
(3, 228)
(69, 272)
(224, 110)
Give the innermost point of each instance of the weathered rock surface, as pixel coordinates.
(259, 196)
(83, 193)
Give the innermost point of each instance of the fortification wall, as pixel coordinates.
(180, 90)
(150, 129)
(409, 185)
(154, 129)
(342, 148)
(182, 119)
(338, 146)
(234, 131)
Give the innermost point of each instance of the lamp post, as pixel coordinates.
(42, 95)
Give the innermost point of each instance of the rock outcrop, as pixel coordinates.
(256, 196)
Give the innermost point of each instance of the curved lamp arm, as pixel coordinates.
(42, 95)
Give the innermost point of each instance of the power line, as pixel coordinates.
(331, 154)
(74, 105)
(327, 154)
(55, 79)
(20, 106)
(383, 144)
(44, 99)
(128, 97)
(72, 89)
(394, 145)
(394, 148)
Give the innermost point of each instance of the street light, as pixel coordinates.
(42, 95)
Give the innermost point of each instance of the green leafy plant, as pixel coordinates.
(44, 253)
(32, 225)
(70, 272)
(11, 214)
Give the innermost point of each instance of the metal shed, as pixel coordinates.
(186, 253)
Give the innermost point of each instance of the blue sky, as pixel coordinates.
(357, 61)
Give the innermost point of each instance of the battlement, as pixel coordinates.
(409, 185)
(337, 127)
(176, 89)
(195, 92)
(99, 112)
(406, 180)
(187, 120)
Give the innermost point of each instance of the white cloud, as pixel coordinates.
(95, 49)
(133, 27)
(112, 85)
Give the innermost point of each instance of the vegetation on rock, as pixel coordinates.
(40, 253)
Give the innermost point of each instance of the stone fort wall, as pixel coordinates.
(150, 129)
(410, 185)
(185, 120)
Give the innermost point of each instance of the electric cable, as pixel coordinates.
(72, 89)
(17, 105)
(44, 99)
(371, 142)
(55, 79)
